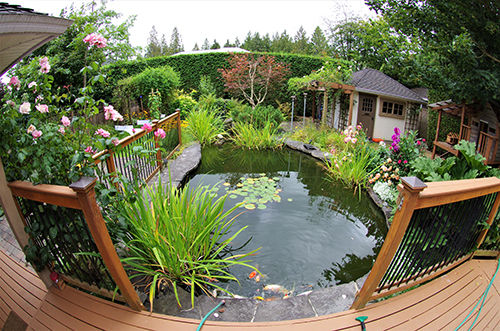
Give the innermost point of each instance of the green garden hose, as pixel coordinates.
(206, 316)
(482, 300)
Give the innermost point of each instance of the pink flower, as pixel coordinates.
(61, 130)
(405, 162)
(102, 133)
(65, 121)
(10, 103)
(147, 127)
(359, 127)
(89, 150)
(111, 113)
(133, 130)
(418, 143)
(25, 108)
(423, 140)
(160, 133)
(14, 81)
(44, 65)
(115, 142)
(39, 98)
(354, 140)
(42, 108)
(399, 161)
(36, 134)
(31, 128)
(347, 139)
(30, 85)
(95, 40)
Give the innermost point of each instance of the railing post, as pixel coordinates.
(179, 132)
(16, 223)
(110, 163)
(159, 163)
(84, 189)
(407, 200)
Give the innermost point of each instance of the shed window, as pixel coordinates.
(393, 109)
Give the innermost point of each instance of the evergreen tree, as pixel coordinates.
(301, 42)
(319, 44)
(237, 42)
(215, 45)
(228, 44)
(206, 44)
(196, 48)
(282, 43)
(154, 47)
(164, 45)
(176, 45)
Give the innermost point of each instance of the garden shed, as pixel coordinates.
(478, 124)
(372, 98)
(382, 103)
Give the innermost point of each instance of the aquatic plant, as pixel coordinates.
(204, 124)
(248, 136)
(176, 238)
(256, 192)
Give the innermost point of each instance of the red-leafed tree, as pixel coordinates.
(253, 76)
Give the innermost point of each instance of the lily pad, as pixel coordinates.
(226, 184)
(276, 178)
(261, 206)
(290, 199)
(233, 196)
(263, 201)
(250, 206)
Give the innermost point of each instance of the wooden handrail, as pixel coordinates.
(415, 195)
(52, 194)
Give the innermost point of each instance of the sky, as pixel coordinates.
(216, 20)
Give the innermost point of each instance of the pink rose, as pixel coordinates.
(42, 108)
(399, 161)
(25, 108)
(147, 127)
(44, 65)
(36, 134)
(95, 40)
(160, 133)
(115, 142)
(30, 85)
(65, 121)
(61, 130)
(405, 162)
(31, 128)
(14, 81)
(89, 150)
(418, 143)
(103, 133)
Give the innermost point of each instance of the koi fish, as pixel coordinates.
(252, 274)
(276, 288)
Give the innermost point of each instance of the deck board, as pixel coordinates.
(439, 305)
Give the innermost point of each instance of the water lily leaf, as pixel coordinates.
(261, 206)
(250, 206)
(226, 184)
(262, 200)
(262, 174)
(239, 185)
(290, 199)
(243, 194)
(276, 198)
(276, 178)
(233, 196)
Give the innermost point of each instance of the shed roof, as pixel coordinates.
(374, 82)
(23, 30)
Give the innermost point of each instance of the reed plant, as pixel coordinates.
(246, 135)
(204, 124)
(180, 237)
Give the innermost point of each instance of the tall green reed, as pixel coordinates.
(180, 237)
(248, 136)
(204, 124)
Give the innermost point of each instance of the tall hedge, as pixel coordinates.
(192, 66)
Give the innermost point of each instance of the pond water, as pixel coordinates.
(313, 232)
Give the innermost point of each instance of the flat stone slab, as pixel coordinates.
(284, 309)
(333, 299)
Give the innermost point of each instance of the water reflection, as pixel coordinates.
(320, 234)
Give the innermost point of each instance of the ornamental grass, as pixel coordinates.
(180, 237)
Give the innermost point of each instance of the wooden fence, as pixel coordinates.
(436, 227)
(127, 162)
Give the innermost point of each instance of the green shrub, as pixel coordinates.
(176, 238)
(184, 102)
(258, 117)
(163, 79)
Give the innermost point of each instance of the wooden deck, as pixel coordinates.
(439, 305)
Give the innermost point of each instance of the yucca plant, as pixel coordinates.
(246, 135)
(204, 124)
(179, 237)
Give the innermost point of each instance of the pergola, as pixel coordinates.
(486, 144)
(317, 86)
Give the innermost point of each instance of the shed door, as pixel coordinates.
(366, 112)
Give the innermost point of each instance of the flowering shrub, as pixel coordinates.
(386, 192)
(388, 173)
(404, 149)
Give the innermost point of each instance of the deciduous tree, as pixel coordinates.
(253, 76)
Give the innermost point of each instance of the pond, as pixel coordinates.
(313, 232)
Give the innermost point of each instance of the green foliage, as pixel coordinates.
(259, 117)
(163, 79)
(180, 237)
(184, 102)
(206, 86)
(204, 124)
(154, 103)
(191, 67)
(248, 136)
(469, 165)
(326, 139)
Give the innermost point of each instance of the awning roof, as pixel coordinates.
(450, 107)
(22, 31)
